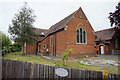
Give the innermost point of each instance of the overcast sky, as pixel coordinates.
(49, 12)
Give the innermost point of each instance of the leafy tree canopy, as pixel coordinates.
(22, 29)
(5, 41)
(115, 16)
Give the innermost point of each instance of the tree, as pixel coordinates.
(115, 20)
(22, 29)
(5, 41)
(115, 16)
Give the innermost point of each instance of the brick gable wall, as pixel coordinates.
(89, 47)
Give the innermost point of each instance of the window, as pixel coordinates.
(77, 33)
(81, 36)
(51, 41)
(84, 37)
(44, 46)
(80, 14)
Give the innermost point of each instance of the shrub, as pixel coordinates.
(65, 56)
(15, 47)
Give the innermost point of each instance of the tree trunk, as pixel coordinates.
(23, 49)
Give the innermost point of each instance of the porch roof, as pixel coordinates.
(104, 35)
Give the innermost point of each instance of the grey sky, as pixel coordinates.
(49, 12)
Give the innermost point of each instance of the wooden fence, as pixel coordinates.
(19, 69)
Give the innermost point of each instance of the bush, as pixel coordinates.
(11, 48)
(15, 47)
(65, 56)
(4, 52)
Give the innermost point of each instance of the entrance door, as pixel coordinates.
(102, 49)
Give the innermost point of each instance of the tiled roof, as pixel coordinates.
(59, 26)
(39, 30)
(106, 34)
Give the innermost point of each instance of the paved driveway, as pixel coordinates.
(107, 61)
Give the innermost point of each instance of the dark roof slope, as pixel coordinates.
(59, 26)
(39, 30)
(106, 34)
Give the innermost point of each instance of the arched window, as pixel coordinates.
(77, 34)
(84, 37)
(81, 36)
(44, 46)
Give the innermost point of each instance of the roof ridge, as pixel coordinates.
(42, 28)
(72, 14)
(105, 29)
(60, 24)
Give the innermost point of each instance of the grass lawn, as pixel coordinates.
(46, 61)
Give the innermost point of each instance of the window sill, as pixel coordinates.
(81, 43)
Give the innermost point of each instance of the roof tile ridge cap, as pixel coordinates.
(63, 19)
(41, 29)
(104, 29)
(67, 17)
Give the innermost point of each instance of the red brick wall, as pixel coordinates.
(58, 46)
(61, 40)
(31, 48)
(43, 51)
(112, 46)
